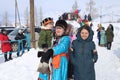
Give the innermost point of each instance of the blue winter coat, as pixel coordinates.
(62, 47)
(82, 57)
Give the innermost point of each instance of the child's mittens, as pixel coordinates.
(47, 55)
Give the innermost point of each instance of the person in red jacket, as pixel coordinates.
(5, 45)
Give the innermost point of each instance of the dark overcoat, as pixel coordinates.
(83, 57)
(109, 35)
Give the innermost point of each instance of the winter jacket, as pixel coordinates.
(62, 47)
(103, 37)
(21, 37)
(45, 37)
(109, 35)
(83, 57)
(5, 44)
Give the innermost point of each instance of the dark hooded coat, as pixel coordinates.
(109, 35)
(82, 57)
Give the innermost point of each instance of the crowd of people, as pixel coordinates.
(6, 43)
(61, 52)
(105, 37)
(67, 53)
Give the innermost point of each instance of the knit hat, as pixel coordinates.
(61, 23)
(47, 21)
(3, 30)
(20, 31)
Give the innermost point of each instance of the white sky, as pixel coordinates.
(107, 66)
(51, 5)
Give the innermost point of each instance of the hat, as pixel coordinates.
(47, 21)
(20, 31)
(61, 23)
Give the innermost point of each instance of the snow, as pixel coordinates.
(25, 67)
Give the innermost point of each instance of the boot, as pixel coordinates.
(5, 56)
(10, 56)
(18, 54)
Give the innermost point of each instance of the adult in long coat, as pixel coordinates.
(83, 56)
(109, 36)
(5, 45)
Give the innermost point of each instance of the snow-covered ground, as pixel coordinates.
(107, 66)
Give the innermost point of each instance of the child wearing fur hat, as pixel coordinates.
(60, 51)
(46, 33)
(45, 38)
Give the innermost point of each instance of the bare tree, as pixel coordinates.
(91, 8)
(40, 16)
(5, 20)
(36, 17)
(26, 17)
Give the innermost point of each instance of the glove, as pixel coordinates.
(40, 53)
(47, 55)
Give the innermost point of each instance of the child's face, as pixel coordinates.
(84, 34)
(50, 25)
(59, 31)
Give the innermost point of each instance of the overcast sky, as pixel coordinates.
(52, 5)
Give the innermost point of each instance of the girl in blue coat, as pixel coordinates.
(84, 55)
(60, 51)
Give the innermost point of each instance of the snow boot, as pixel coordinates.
(5, 56)
(10, 56)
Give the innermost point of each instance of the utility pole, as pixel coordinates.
(32, 23)
(17, 12)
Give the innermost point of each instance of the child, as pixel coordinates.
(46, 33)
(60, 51)
(5, 45)
(84, 55)
(44, 63)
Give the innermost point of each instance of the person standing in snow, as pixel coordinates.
(98, 33)
(5, 45)
(44, 67)
(109, 36)
(20, 36)
(46, 33)
(60, 52)
(102, 37)
(84, 54)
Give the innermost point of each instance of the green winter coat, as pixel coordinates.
(45, 37)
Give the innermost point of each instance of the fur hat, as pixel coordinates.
(61, 23)
(47, 21)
